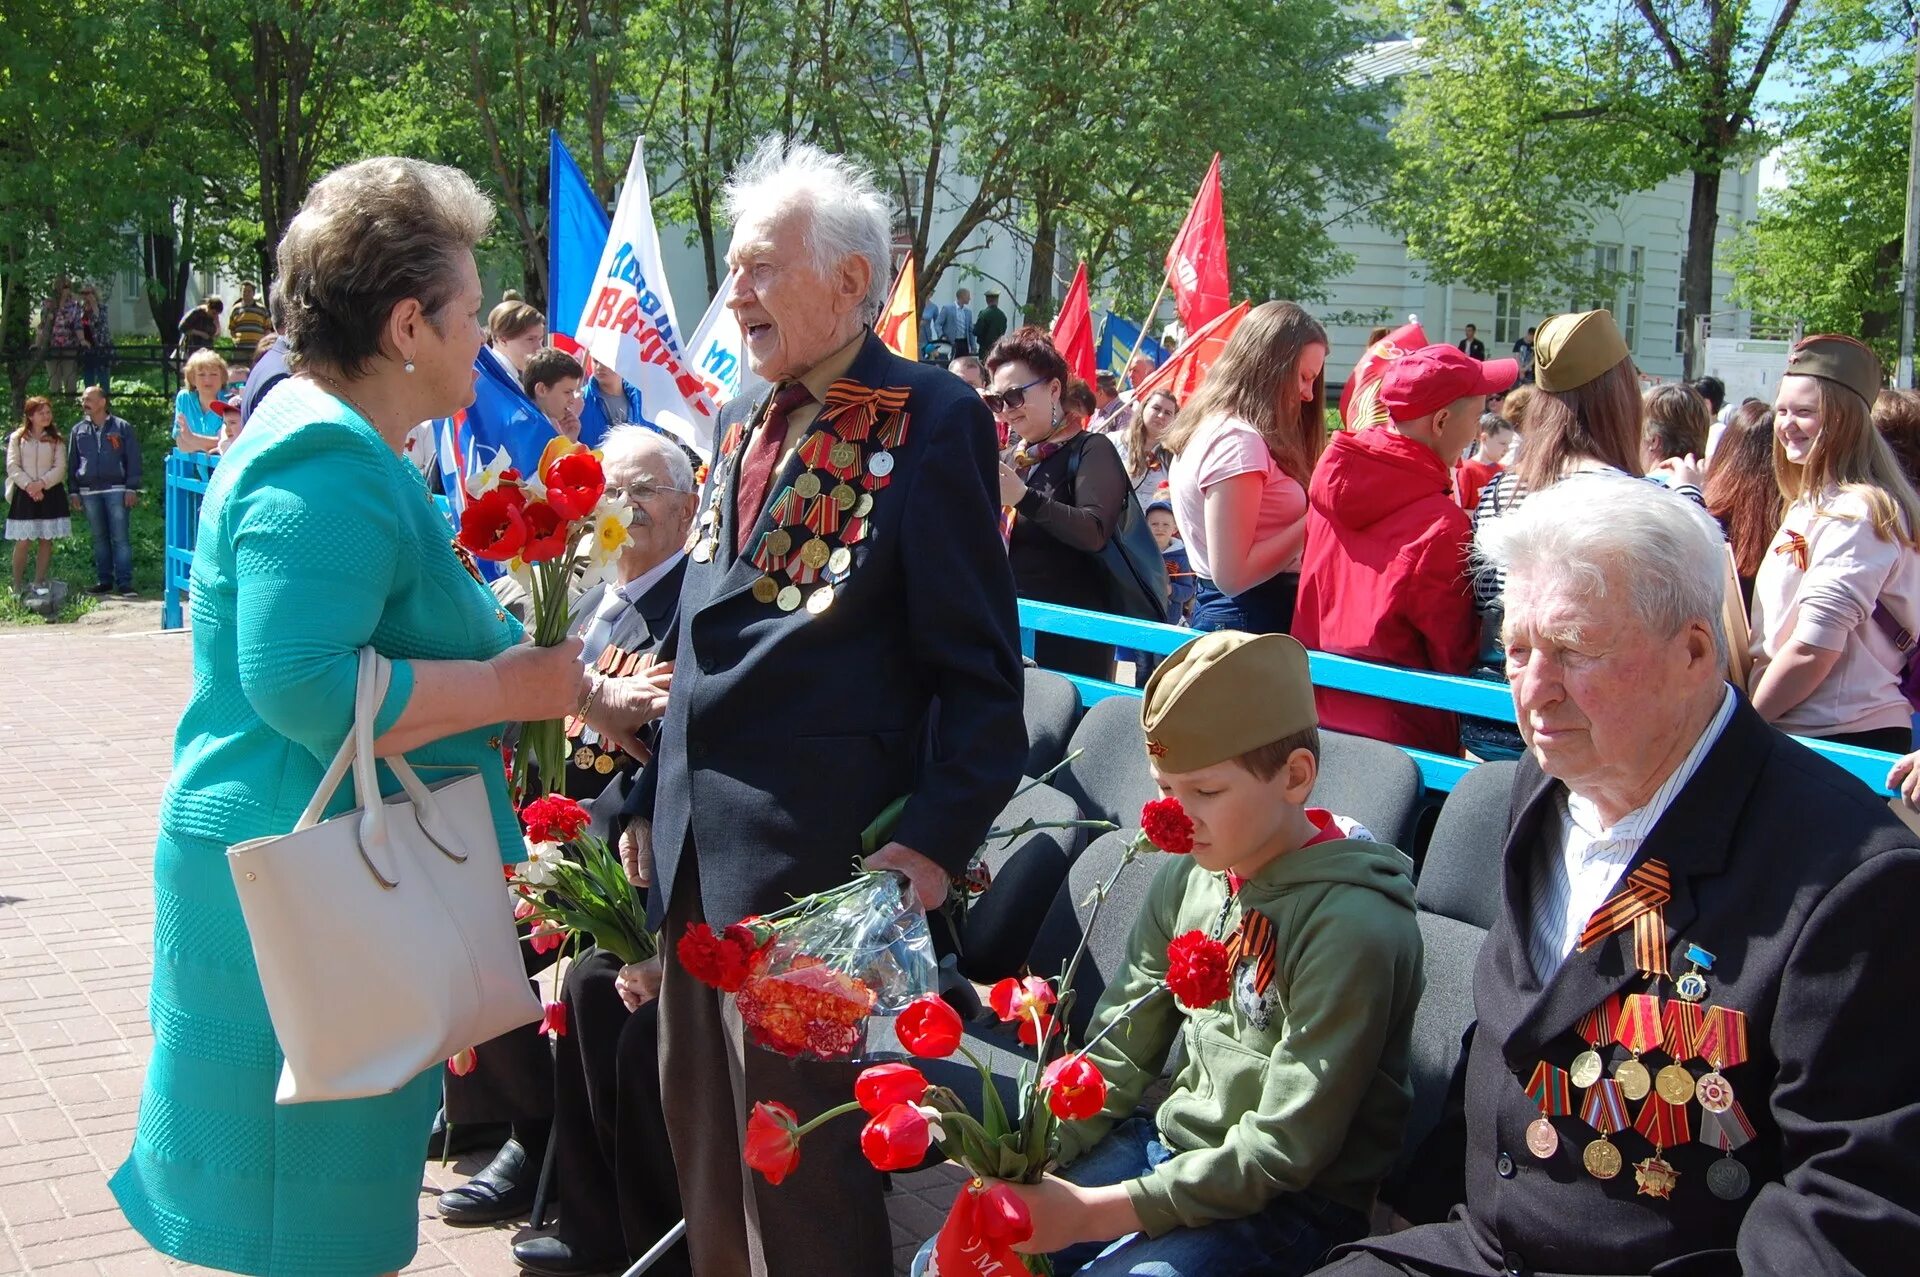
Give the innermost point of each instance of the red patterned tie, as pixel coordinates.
(763, 454)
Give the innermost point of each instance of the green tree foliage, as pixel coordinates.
(1826, 248)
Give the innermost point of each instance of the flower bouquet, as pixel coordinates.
(550, 528)
(906, 1115)
(808, 977)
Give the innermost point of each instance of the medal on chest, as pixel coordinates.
(1250, 954)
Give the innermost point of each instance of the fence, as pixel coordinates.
(187, 475)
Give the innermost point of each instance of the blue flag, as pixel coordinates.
(501, 416)
(576, 236)
(1117, 337)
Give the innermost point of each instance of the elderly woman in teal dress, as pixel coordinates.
(317, 539)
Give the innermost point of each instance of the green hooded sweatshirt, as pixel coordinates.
(1303, 1087)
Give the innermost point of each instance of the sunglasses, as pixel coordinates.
(1009, 400)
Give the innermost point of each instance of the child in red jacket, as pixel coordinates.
(1386, 574)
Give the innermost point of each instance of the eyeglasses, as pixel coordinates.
(1009, 400)
(639, 493)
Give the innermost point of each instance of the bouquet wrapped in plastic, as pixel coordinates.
(808, 978)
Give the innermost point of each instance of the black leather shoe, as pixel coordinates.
(551, 1257)
(502, 1191)
(468, 1137)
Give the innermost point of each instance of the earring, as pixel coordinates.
(408, 365)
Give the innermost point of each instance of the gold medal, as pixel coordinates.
(807, 486)
(1635, 1082)
(840, 560)
(864, 506)
(1586, 1069)
(820, 600)
(1674, 1084)
(583, 758)
(788, 599)
(779, 543)
(703, 552)
(1542, 1140)
(1655, 1177)
(844, 496)
(603, 764)
(766, 590)
(844, 454)
(1601, 1159)
(815, 554)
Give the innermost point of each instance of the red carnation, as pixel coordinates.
(574, 483)
(896, 1139)
(493, 525)
(884, 1085)
(718, 961)
(555, 818)
(929, 1028)
(547, 533)
(1197, 970)
(1167, 826)
(1074, 1088)
(773, 1140)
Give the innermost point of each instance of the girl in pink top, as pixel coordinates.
(1243, 451)
(1824, 664)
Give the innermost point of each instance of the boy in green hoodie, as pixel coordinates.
(1288, 1109)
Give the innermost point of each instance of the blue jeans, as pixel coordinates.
(1266, 608)
(112, 548)
(1290, 1236)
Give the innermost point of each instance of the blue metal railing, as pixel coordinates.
(1415, 687)
(188, 474)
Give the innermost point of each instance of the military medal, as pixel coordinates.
(844, 496)
(604, 764)
(1639, 1031)
(815, 554)
(807, 486)
(583, 758)
(1548, 1088)
(1728, 1180)
(1596, 1027)
(820, 600)
(864, 506)
(1727, 1130)
(840, 561)
(766, 590)
(880, 464)
(842, 459)
(1680, 1022)
(1722, 1043)
(1692, 985)
(788, 599)
(703, 551)
(1655, 1177)
(1605, 1110)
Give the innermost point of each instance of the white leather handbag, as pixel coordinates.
(384, 936)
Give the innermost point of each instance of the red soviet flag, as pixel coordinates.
(1197, 262)
(1188, 366)
(1073, 328)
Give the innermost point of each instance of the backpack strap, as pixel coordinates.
(1900, 635)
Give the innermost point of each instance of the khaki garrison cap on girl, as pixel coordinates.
(1223, 695)
(1841, 360)
(1571, 350)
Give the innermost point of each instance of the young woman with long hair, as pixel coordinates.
(36, 492)
(1243, 451)
(1143, 446)
(1742, 492)
(1843, 574)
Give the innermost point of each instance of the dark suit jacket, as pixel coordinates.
(787, 732)
(1807, 890)
(641, 628)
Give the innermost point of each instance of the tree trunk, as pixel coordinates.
(1703, 229)
(23, 350)
(166, 271)
(1040, 300)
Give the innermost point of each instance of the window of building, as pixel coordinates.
(1680, 312)
(1603, 279)
(1630, 304)
(1506, 318)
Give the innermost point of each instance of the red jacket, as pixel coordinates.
(1386, 579)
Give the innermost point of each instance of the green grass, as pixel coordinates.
(138, 401)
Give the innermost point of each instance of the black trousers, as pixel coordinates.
(512, 1080)
(618, 1190)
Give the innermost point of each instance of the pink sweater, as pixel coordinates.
(1828, 604)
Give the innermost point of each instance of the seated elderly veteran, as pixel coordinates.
(620, 622)
(1685, 1056)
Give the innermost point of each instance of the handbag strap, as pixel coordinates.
(1900, 635)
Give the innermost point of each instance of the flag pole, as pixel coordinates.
(1146, 319)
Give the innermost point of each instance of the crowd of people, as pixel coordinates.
(739, 717)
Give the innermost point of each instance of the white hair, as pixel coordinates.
(633, 442)
(1588, 527)
(846, 215)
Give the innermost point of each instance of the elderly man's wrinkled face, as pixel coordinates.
(1602, 700)
(793, 314)
(662, 516)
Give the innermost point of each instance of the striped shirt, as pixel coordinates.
(1582, 857)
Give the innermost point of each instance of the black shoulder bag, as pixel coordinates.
(1136, 574)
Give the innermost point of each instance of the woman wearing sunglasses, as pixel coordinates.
(1065, 489)
(1243, 451)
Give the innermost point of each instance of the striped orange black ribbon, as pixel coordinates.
(1647, 888)
(1650, 943)
(1795, 546)
(1682, 1023)
(1639, 1028)
(1253, 942)
(1596, 1026)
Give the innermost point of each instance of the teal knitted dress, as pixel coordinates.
(315, 539)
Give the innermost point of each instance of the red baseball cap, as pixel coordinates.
(1426, 380)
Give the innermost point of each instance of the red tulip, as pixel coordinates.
(885, 1085)
(1167, 826)
(929, 1028)
(1033, 1027)
(463, 1062)
(554, 1021)
(896, 1139)
(547, 533)
(1001, 1215)
(773, 1140)
(574, 483)
(545, 937)
(1074, 1088)
(1030, 1001)
(493, 525)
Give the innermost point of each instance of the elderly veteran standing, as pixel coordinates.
(1683, 1060)
(316, 540)
(847, 637)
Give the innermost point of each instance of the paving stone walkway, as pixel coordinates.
(86, 741)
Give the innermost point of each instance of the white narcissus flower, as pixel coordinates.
(487, 478)
(610, 522)
(540, 867)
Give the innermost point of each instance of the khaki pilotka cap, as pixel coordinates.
(1571, 350)
(1223, 695)
(1841, 360)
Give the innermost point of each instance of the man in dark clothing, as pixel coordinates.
(990, 326)
(103, 456)
(1471, 346)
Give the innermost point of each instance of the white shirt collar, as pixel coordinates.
(637, 588)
